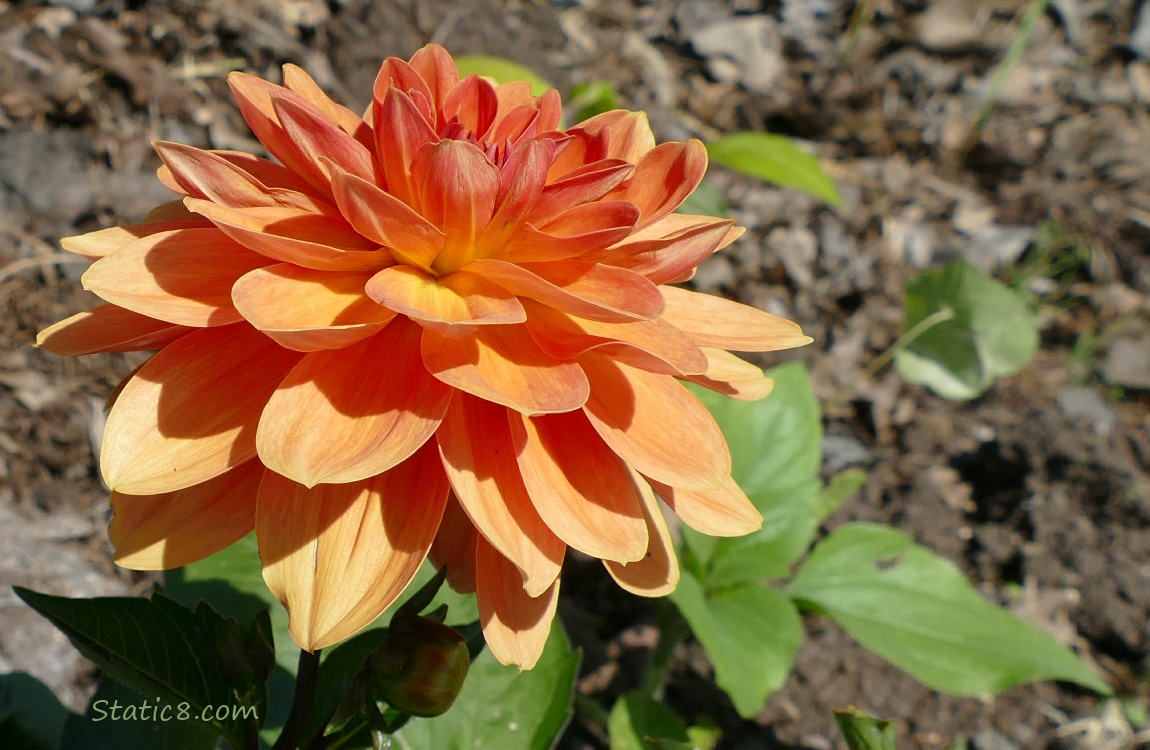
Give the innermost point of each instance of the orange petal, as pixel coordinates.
(399, 76)
(723, 324)
(474, 102)
(655, 425)
(108, 328)
(462, 297)
(315, 139)
(190, 413)
(668, 258)
(104, 242)
(184, 276)
(387, 220)
(400, 131)
(731, 376)
(504, 364)
(338, 555)
(165, 531)
(434, 65)
(588, 290)
(309, 310)
(348, 414)
(454, 547)
(581, 489)
(588, 183)
(657, 573)
(584, 230)
(663, 179)
(290, 235)
(459, 185)
(279, 180)
(629, 135)
(478, 455)
(652, 345)
(520, 184)
(515, 624)
(207, 175)
(299, 82)
(723, 511)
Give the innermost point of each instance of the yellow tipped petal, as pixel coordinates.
(515, 625)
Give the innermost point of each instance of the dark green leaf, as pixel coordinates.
(774, 158)
(864, 732)
(751, 633)
(30, 714)
(990, 332)
(104, 726)
(920, 613)
(637, 718)
(501, 70)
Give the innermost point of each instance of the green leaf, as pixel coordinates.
(751, 633)
(30, 714)
(104, 727)
(990, 332)
(706, 200)
(864, 732)
(636, 718)
(590, 99)
(775, 449)
(501, 707)
(502, 70)
(919, 612)
(838, 491)
(160, 648)
(774, 158)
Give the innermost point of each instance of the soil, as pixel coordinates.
(1038, 490)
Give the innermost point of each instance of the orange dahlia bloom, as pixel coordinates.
(444, 328)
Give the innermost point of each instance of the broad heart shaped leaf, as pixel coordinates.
(920, 613)
(774, 158)
(103, 727)
(637, 717)
(501, 70)
(501, 707)
(160, 648)
(30, 714)
(864, 732)
(776, 450)
(751, 633)
(991, 332)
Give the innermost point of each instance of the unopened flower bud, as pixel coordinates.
(420, 668)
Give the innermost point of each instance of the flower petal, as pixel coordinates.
(338, 555)
(473, 102)
(454, 547)
(503, 364)
(309, 310)
(190, 413)
(400, 131)
(299, 82)
(165, 531)
(655, 425)
(387, 220)
(211, 176)
(731, 376)
(723, 324)
(108, 328)
(629, 135)
(588, 290)
(460, 298)
(663, 179)
(723, 511)
(184, 276)
(315, 139)
(581, 489)
(104, 242)
(459, 185)
(520, 184)
(331, 421)
(588, 183)
(477, 452)
(657, 573)
(515, 624)
(583, 230)
(670, 258)
(435, 66)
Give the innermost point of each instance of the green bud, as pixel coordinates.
(419, 669)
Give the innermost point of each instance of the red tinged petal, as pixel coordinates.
(520, 184)
(315, 139)
(515, 624)
(348, 414)
(434, 65)
(400, 131)
(278, 178)
(165, 531)
(478, 456)
(454, 547)
(184, 276)
(629, 135)
(338, 555)
(473, 102)
(108, 328)
(670, 258)
(663, 179)
(723, 324)
(399, 76)
(207, 175)
(460, 298)
(387, 220)
(459, 185)
(589, 183)
(504, 365)
(583, 230)
(652, 345)
(299, 82)
(723, 511)
(655, 425)
(190, 413)
(590, 291)
(104, 242)
(309, 310)
(581, 489)
(316, 241)
(731, 376)
(657, 573)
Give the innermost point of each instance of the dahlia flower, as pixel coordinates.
(445, 328)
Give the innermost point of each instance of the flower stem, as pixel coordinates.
(302, 702)
(919, 328)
